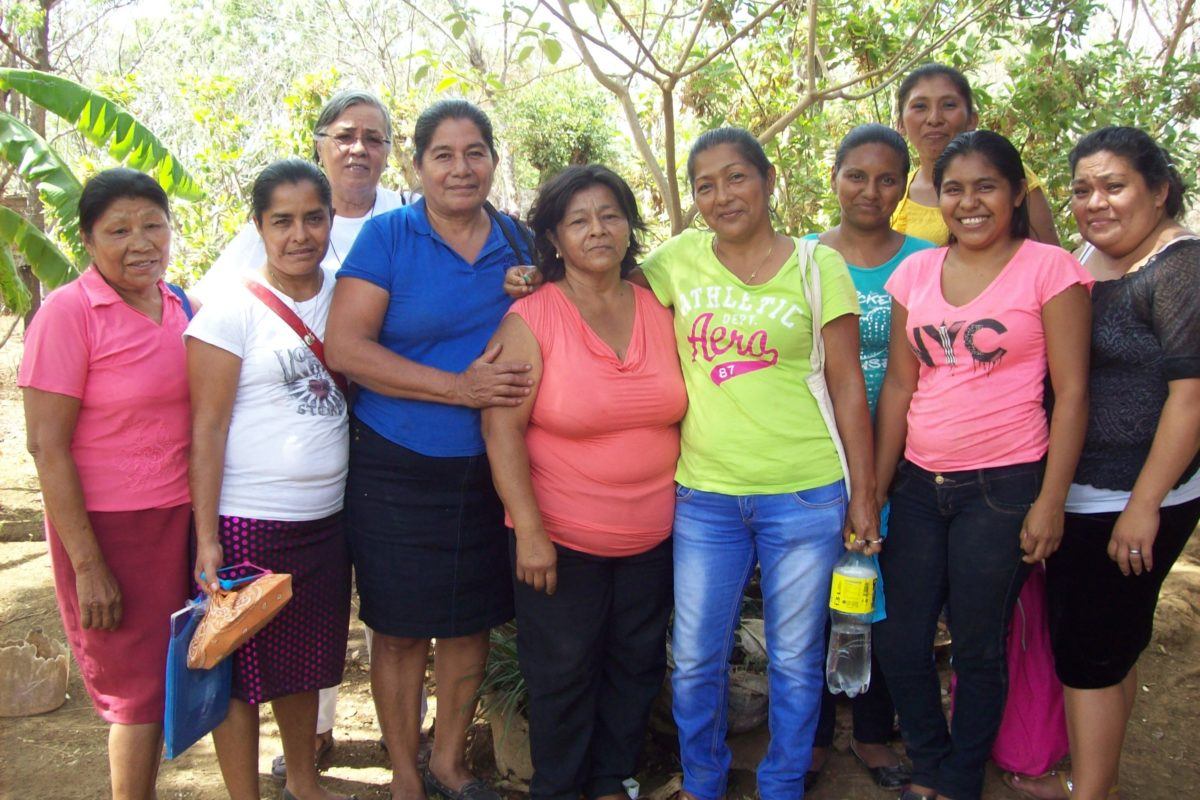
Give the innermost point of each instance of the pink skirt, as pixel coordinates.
(147, 552)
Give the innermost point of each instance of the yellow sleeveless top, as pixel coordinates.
(925, 222)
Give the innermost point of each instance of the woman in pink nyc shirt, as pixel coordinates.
(978, 496)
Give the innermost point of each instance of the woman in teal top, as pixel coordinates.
(868, 179)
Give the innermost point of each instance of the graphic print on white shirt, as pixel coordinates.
(309, 384)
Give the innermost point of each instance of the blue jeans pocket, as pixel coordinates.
(1012, 493)
(683, 493)
(827, 496)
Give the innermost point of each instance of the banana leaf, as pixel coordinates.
(12, 289)
(48, 263)
(106, 125)
(40, 166)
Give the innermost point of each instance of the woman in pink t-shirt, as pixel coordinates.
(586, 471)
(978, 496)
(106, 415)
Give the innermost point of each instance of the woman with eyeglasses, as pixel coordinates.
(352, 141)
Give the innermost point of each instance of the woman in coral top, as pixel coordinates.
(585, 470)
(978, 497)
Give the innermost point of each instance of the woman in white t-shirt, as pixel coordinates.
(268, 471)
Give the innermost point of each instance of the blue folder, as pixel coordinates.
(197, 699)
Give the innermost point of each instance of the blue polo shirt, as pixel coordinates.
(442, 313)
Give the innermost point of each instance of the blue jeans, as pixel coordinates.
(796, 538)
(954, 540)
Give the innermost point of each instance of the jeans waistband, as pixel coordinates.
(970, 476)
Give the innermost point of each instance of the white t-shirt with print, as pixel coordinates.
(245, 252)
(288, 445)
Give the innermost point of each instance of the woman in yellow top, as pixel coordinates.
(934, 105)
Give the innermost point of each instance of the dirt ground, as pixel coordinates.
(62, 754)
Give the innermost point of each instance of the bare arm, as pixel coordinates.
(352, 347)
(1041, 218)
(1067, 320)
(891, 415)
(213, 379)
(49, 426)
(843, 375)
(504, 432)
(1175, 444)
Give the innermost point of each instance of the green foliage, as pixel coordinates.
(105, 124)
(41, 167)
(557, 122)
(48, 262)
(102, 122)
(503, 692)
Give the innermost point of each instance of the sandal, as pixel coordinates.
(471, 790)
(909, 794)
(279, 763)
(1013, 781)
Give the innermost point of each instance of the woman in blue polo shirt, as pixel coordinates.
(417, 299)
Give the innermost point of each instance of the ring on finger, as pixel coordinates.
(1133, 551)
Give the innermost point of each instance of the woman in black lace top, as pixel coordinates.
(1136, 496)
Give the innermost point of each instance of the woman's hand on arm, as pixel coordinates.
(891, 413)
(1175, 444)
(352, 347)
(504, 432)
(848, 391)
(1041, 218)
(49, 427)
(213, 380)
(1067, 320)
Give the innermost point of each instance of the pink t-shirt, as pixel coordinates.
(979, 392)
(603, 435)
(130, 376)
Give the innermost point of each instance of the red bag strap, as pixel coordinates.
(296, 324)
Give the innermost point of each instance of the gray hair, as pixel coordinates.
(340, 103)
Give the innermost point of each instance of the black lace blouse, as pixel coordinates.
(1145, 332)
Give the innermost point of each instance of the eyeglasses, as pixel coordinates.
(345, 140)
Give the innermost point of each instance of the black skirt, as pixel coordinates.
(427, 539)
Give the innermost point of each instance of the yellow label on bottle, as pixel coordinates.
(852, 595)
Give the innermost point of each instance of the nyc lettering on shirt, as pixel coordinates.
(729, 330)
(976, 336)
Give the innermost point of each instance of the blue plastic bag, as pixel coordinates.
(880, 601)
(197, 699)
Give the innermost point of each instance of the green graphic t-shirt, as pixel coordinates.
(752, 426)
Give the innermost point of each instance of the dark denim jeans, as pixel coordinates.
(954, 539)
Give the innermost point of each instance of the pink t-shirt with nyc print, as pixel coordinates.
(980, 386)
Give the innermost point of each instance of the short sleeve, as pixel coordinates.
(899, 286)
(655, 268)
(838, 296)
(244, 254)
(223, 323)
(1059, 271)
(371, 257)
(57, 346)
(1032, 182)
(532, 309)
(1175, 312)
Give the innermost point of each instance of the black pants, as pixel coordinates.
(872, 710)
(593, 656)
(953, 538)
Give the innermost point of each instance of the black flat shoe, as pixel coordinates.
(810, 779)
(890, 778)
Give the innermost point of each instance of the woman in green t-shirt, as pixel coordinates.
(760, 478)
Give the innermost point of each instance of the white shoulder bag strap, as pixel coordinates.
(810, 276)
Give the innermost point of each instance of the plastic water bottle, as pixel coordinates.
(851, 606)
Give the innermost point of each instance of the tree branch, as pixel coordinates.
(691, 42)
(580, 36)
(810, 47)
(621, 92)
(637, 40)
(1180, 26)
(747, 28)
(16, 51)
